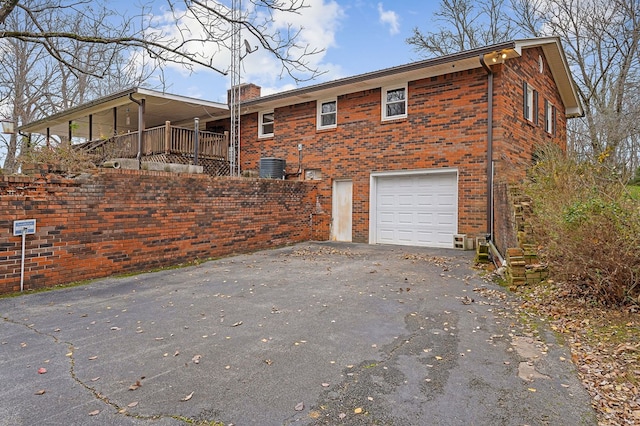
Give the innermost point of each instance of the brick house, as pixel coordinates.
(407, 155)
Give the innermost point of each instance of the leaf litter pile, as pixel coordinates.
(604, 343)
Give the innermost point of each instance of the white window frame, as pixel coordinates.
(530, 103)
(549, 117)
(320, 114)
(385, 91)
(261, 124)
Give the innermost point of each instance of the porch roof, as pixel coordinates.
(159, 107)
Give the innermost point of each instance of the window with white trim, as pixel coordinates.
(327, 114)
(549, 117)
(530, 105)
(265, 124)
(394, 102)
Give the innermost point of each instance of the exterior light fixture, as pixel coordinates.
(499, 56)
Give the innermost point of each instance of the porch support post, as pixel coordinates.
(90, 127)
(196, 140)
(70, 131)
(115, 121)
(167, 137)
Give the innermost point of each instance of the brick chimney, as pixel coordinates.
(248, 91)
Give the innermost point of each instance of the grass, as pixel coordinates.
(634, 190)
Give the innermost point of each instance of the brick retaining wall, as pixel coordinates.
(118, 221)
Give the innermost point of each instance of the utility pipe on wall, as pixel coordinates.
(489, 146)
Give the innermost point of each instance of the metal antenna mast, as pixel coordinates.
(234, 94)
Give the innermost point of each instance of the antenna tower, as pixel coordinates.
(234, 98)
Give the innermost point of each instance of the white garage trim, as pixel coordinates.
(410, 217)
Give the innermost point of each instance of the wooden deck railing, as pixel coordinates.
(165, 139)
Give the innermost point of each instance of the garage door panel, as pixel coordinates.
(416, 209)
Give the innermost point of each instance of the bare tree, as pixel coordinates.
(33, 84)
(187, 44)
(601, 39)
(465, 24)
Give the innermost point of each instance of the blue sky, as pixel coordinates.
(357, 36)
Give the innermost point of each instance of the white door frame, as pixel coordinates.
(373, 191)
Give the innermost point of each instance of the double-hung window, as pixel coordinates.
(549, 117)
(327, 114)
(265, 124)
(394, 102)
(530, 103)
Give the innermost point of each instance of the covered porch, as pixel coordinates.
(144, 125)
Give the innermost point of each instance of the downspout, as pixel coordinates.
(140, 126)
(489, 147)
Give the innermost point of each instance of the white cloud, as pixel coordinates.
(390, 18)
(317, 24)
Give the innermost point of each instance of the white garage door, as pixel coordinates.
(415, 209)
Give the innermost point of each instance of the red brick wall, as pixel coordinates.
(446, 127)
(515, 138)
(124, 220)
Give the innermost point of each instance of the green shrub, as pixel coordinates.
(589, 225)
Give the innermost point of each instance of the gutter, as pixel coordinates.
(489, 147)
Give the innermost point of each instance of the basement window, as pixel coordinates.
(265, 125)
(394, 102)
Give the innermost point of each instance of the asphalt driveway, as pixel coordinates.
(317, 333)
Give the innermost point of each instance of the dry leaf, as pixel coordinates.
(95, 379)
(237, 324)
(132, 404)
(94, 413)
(40, 392)
(299, 406)
(358, 410)
(314, 414)
(188, 397)
(342, 416)
(196, 359)
(135, 386)
(42, 370)
(91, 358)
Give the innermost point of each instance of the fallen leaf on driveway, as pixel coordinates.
(135, 386)
(40, 392)
(299, 406)
(237, 324)
(91, 358)
(188, 397)
(94, 413)
(132, 404)
(42, 370)
(95, 379)
(358, 410)
(196, 359)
